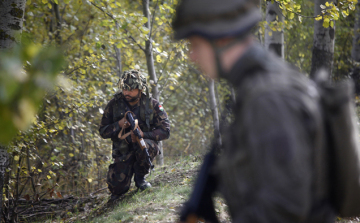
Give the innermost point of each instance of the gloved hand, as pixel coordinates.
(123, 123)
(133, 137)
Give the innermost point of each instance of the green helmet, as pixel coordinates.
(213, 19)
(132, 79)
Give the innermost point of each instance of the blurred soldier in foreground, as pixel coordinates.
(153, 125)
(274, 165)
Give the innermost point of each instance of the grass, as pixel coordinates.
(171, 187)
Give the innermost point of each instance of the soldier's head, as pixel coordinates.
(132, 83)
(218, 31)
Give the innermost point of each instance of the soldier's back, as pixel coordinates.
(274, 165)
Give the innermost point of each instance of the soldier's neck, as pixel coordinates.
(132, 103)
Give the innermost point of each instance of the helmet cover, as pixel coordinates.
(132, 79)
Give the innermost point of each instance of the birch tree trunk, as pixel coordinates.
(324, 41)
(11, 22)
(151, 70)
(215, 112)
(355, 53)
(274, 40)
(118, 60)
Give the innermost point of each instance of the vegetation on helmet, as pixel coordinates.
(132, 79)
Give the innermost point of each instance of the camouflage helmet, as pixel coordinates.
(213, 19)
(132, 79)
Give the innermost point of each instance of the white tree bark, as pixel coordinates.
(275, 41)
(355, 53)
(324, 41)
(215, 112)
(118, 60)
(151, 70)
(11, 22)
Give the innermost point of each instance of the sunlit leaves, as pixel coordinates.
(21, 91)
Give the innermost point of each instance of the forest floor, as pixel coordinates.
(171, 186)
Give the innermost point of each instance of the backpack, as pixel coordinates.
(343, 144)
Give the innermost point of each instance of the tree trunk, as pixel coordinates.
(215, 112)
(58, 38)
(11, 22)
(355, 53)
(274, 40)
(324, 41)
(4, 162)
(118, 60)
(151, 70)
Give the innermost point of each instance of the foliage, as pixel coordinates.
(63, 145)
(27, 73)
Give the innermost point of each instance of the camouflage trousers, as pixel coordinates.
(121, 171)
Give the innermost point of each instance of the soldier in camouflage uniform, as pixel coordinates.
(274, 166)
(153, 125)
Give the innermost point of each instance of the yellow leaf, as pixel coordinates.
(158, 59)
(145, 30)
(71, 155)
(144, 19)
(16, 158)
(332, 23)
(48, 176)
(171, 88)
(49, 5)
(90, 180)
(291, 15)
(318, 18)
(173, 170)
(112, 5)
(327, 4)
(118, 4)
(39, 170)
(44, 1)
(52, 130)
(270, 33)
(56, 1)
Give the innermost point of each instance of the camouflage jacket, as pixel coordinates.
(274, 166)
(116, 109)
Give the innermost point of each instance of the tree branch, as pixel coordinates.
(118, 26)
(153, 18)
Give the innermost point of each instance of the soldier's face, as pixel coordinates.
(202, 53)
(131, 95)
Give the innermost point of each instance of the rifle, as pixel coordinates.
(139, 139)
(200, 204)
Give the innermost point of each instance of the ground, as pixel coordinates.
(172, 185)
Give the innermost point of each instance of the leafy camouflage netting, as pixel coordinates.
(132, 79)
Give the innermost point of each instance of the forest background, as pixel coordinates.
(51, 135)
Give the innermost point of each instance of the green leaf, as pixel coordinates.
(145, 30)
(144, 19)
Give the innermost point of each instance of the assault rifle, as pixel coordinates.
(139, 138)
(200, 204)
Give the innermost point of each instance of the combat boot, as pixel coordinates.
(140, 182)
